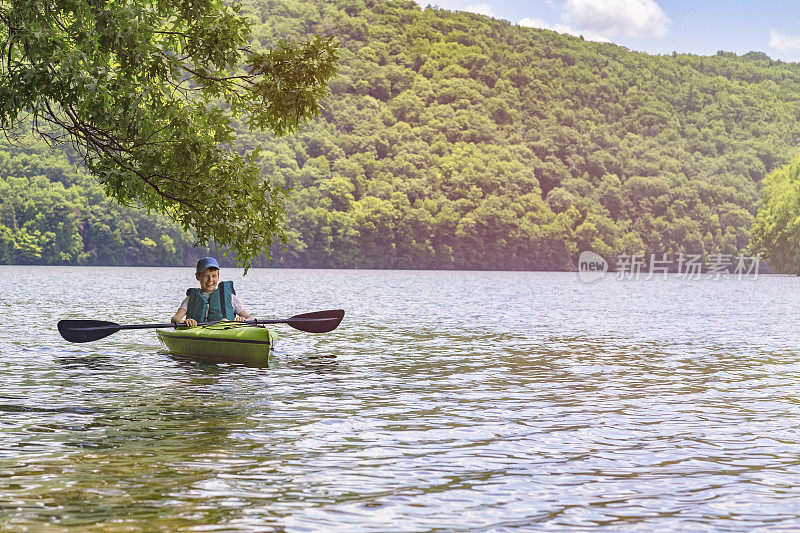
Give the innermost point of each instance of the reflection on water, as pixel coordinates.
(445, 400)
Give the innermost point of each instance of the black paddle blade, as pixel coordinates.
(86, 330)
(318, 321)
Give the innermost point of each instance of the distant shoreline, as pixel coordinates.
(763, 271)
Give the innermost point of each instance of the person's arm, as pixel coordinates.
(180, 318)
(238, 308)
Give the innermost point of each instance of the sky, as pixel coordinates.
(700, 27)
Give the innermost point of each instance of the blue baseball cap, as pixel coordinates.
(205, 263)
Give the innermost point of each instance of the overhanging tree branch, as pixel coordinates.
(133, 86)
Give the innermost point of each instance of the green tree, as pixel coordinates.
(776, 232)
(146, 91)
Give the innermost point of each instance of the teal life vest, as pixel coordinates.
(217, 306)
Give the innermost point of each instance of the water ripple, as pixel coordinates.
(446, 400)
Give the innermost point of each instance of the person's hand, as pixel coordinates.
(240, 318)
(191, 322)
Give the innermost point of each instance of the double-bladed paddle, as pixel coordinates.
(92, 330)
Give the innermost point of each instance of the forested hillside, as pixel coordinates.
(453, 140)
(53, 212)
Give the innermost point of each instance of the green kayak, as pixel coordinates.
(224, 342)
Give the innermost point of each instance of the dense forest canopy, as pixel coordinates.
(776, 234)
(452, 140)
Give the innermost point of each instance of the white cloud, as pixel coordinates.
(783, 42)
(481, 9)
(539, 23)
(562, 28)
(631, 18)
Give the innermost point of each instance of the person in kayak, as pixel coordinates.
(215, 300)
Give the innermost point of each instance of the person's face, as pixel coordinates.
(208, 279)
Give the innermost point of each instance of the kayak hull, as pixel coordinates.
(225, 342)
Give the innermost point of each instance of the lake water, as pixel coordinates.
(444, 401)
